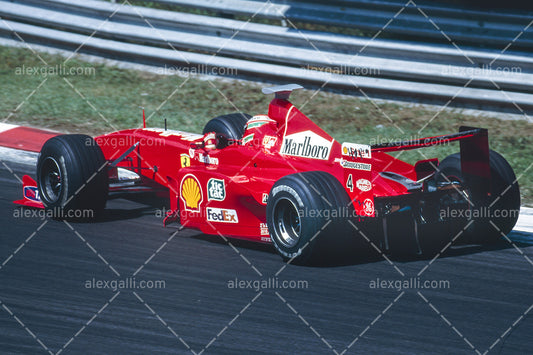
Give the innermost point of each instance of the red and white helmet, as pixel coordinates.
(210, 141)
(261, 132)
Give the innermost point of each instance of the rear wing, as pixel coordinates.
(475, 162)
(463, 134)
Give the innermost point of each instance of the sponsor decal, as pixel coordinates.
(269, 141)
(204, 158)
(363, 185)
(32, 193)
(191, 193)
(264, 199)
(221, 215)
(264, 229)
(266, 239)
(185, 160)
(354, 165)
(247, 139)
(356, 150)
(216, 190)
(306, 144)
(368, 207)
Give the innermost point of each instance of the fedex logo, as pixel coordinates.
(221, 215)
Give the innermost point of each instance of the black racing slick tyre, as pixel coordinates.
(227, 127)
(307, 217)
(72, 177)
(496, 216)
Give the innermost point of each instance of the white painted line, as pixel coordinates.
(18, 156)
(525, 220)
(6, 127)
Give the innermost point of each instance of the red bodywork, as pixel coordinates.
(225, 191)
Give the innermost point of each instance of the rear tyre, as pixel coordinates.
(72, 176)
(307, 217)
(502, 206)
(227, 127)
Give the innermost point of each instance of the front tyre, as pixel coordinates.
(227, 127)
(72, 176)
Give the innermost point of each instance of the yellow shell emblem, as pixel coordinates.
(191, 193)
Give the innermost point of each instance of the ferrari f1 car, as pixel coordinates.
(280, 179)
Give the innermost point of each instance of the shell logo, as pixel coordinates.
(191, 193)
(344, 150)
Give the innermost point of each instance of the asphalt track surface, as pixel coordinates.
(45, 305)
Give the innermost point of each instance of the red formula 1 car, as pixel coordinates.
(279, 178)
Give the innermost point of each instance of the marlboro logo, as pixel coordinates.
(306, 145)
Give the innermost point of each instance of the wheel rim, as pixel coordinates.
(287, 222)
(51, 179)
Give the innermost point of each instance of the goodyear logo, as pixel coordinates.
(221, 215)
(191, 193)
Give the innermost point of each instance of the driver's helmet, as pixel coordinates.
(210, 141)
(261, 132)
